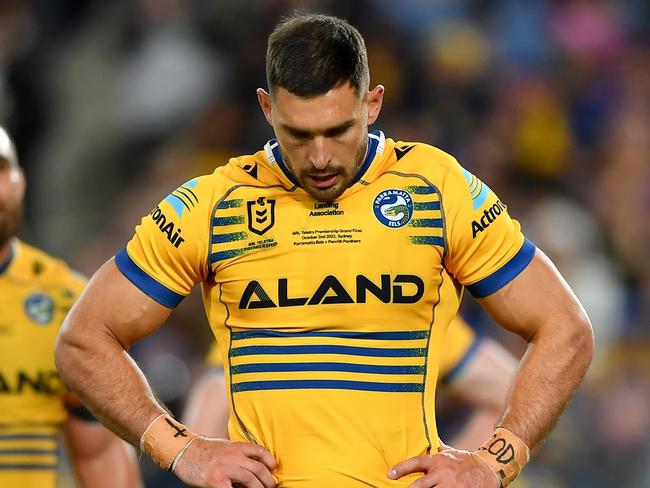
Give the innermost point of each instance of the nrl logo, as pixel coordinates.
(261, 215)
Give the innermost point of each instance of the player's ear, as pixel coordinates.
(374, 99)
(264, 98)
(17, 178)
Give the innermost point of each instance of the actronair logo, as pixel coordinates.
(489, 216)
(167, 227)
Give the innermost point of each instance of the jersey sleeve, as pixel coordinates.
(167, 256)
(486, 248)
(460, 343)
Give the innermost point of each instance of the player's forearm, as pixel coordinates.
(556, 361)
(107, 380)
(478, 427)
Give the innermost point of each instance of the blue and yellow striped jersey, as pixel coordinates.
(36, 292)
(331, 315)
(459, 344)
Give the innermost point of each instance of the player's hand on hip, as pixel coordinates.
(219, 463)
(449, 468)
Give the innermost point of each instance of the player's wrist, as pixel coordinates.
(505, 454)
(165, 440)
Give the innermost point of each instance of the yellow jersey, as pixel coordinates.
(36, 292)
(331, 315)
(460, 343)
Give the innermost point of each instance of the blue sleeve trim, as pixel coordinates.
(506, 273)
(460, 365)
(82, 413)
(146, 283)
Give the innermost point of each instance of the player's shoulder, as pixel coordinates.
(37, 265)
(250, 169)
(425, 159)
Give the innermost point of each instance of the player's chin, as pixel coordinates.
(328, 194)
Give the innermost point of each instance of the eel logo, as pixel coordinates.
(261, 215)
(40, 308)
(393, 208)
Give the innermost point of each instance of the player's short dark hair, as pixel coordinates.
(308, 55)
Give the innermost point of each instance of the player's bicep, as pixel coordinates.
(113, 305)
(537, 297)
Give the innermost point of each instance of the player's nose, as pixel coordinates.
(318, 153)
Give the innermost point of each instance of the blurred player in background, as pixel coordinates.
(331, 262)
(36, 292)
(474, 370)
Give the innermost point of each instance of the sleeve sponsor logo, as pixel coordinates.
(477, 189)
(183, 198)
(167, 227)
(489, 216)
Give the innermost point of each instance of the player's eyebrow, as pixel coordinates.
(327, 132)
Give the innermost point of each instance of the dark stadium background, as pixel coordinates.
(114, 104)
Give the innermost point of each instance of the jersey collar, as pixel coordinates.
(376, 142)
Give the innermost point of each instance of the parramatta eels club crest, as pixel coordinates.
(261, 215)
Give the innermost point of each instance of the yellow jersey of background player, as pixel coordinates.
(36, 292)
(331, 315)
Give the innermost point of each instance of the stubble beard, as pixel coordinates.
(346, 176)
(10, 219)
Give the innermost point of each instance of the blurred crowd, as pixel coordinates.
(114, 104)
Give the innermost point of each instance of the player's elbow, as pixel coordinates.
(68, 351)
(581, 339)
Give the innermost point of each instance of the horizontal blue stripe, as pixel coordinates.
(236, 203)
(399, 335)
(350, 368)
(506, 273)
(28, 437)
(233, 236)
(422, 190)
(326, 385)
(427, 206)
(436, 223)
(221, 221)
(428, 240)
(34, 452)
(221, 255)
(327, 349)
(146, 283)
(28, 467)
